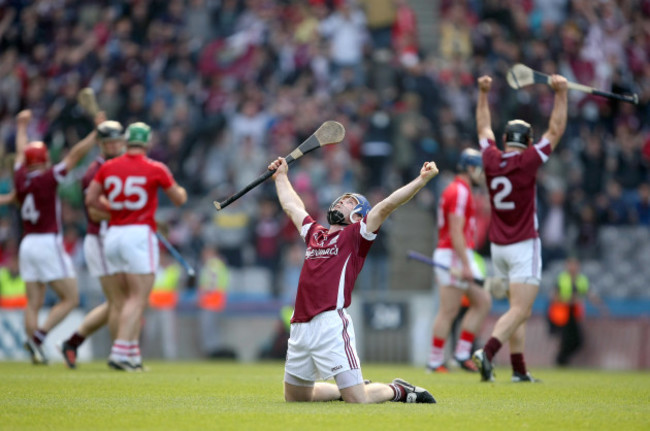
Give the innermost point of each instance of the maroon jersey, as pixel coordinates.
(40, 208)
(131, 183)
(511, 179)
(332, 263)
(93, 227)
(456, 199)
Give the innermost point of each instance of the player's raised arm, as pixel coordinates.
(291, 203)
(380, 212)
(557, 122)
(81, 148)
(22, 121)
(483, 118)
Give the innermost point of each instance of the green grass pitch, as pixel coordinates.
(233, 396)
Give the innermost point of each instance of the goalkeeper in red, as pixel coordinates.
(515, 249)
(322, 341)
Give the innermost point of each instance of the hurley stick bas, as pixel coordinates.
(330, 132)
(520, 76)
(86, 98)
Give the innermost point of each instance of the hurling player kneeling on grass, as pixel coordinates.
(322, 341)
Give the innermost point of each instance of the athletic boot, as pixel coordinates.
(69, 354)
(36, 352)
(523, 378)
(415, 394)
(123, 365)
(483, 365)
(440, 369)
(467, 365)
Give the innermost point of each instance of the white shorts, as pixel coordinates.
(448, 258)
(95, 255)
(520, 262)
(131, 249)
(43, 258)
(322, 347)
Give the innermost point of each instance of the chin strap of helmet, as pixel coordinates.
(336, 217)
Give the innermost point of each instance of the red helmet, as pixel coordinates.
(36, 153)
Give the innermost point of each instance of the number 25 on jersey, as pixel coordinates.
(132, 187)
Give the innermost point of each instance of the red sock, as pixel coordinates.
(518, 363)
(438, 342)
(400, 393)
(491, 348)
(467, 336)
(76, 340)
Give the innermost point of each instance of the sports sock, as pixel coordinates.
(491, 347)
(75, 340)
(464, 346)
(39, 336)
(120, 350)
(437, 355)
(398, 391)
(518, 363)
(134, 352)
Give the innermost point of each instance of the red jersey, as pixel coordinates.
(131, 183)
(511, 179)
(456, 199)
(332, 263)
(93, 227)
(40, 208)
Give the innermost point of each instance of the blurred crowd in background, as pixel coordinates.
(228, 85)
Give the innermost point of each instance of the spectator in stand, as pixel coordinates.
(381, 15)
(642, 207)
(346, 31)
(267, 236)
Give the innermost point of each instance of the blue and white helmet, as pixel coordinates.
(362, 208)
(469, 157)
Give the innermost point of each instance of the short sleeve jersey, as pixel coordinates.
(40, 208)
(332, 263)
(131, 183)
(456, 199)
(511, 179)
(93, 228)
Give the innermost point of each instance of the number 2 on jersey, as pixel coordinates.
(500, 196)
(132, 186)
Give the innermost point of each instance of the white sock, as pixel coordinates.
(463, 350)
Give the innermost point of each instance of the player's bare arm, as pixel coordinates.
(8, 198)
(177, 194)
(22, 121)
(291, 203)
(483, 118)
(97, 215)
(79, 150)
(93, 194)
(557, 122)
(380, 212)
(456, 225)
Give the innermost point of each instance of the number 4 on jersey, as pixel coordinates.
(29, 211)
